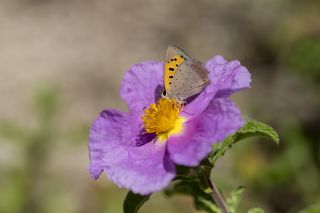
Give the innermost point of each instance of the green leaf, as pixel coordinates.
(208, 205)
(256, 210)
(234, 199)
(250, 129)
(133, 202)
(255, 128)
(185, 173)
(204, 178)
(201, 200)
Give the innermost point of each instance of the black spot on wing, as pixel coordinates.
(171, 69)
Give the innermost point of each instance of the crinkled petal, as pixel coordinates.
(111, 129)
(220, 119)
(225, 77)
(115, 146)
(142, 85)
(143, 169)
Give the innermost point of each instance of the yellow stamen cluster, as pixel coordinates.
(162, 118)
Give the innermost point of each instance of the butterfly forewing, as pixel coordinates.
(174, 57)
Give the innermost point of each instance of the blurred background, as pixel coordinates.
(62, 61)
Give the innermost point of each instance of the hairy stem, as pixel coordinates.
(217, 197)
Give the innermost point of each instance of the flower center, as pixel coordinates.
(163, 118)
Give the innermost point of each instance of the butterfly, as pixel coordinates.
(183, 75)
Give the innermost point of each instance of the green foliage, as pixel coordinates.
(203, 176)
(12, 131)
(20, 184)
(256, 210)
(133, 202)
(46, 104)
(12, 193)
(234, 199)
(201, 200)
(208, 206)
(250, 129)
(312, 209)
(255, 128)
(303, 57)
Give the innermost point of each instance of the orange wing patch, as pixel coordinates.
(170, 69)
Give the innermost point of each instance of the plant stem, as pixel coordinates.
(217, 197)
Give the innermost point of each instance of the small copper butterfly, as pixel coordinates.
(183, 76)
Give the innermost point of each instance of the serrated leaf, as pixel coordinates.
(250, 129)
(208, 206)
(255, 210)
(255, 128)
(133, 202)
(234, 199)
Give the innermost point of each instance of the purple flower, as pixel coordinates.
(139, 149)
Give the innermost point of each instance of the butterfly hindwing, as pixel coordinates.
(190, 78)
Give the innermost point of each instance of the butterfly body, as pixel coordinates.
(183, 76)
